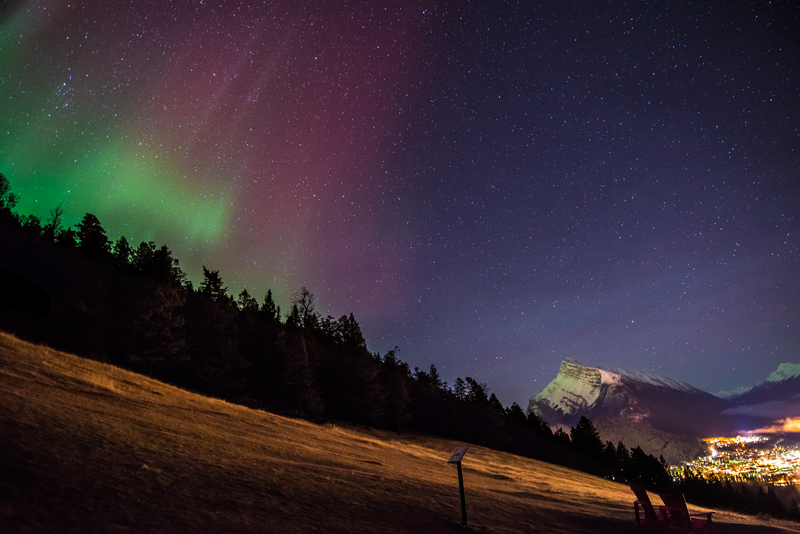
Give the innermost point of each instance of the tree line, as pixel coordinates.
(716, 491)
(133, 307)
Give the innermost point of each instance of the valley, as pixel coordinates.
(767, 460)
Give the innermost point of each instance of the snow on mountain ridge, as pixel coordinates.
(648, 377)
(575, 387)
(609, 377)
(578, 387)
(734, 392)
(613, 376)
(784, 371)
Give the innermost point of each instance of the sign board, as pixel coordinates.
(455, 458)
(458, 454)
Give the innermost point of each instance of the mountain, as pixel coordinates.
(660, 414)
(785, 372)
(637, 397)
(774, 401)
(781, 386)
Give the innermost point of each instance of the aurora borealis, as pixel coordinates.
(490, 186)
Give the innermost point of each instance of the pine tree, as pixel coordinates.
(516, 416)
(496, 405)
(247, 303)
(158, 325)
(460, 389)
(300, 388)
(476, 392)
(395, 376)
(269, 309)
(212, 286)
(31, 224)
(92, 239)
(561, 437)
(586, 439)
(212, 337)
(293, 320)
(436, 380)
(8, 200)
(122, 252)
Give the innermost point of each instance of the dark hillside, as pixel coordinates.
(88, 447)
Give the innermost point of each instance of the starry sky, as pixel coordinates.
(490, 186)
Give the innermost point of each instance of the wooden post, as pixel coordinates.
(455, 458)
(461, 489)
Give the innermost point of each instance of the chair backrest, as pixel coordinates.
(644, 500)
(679, 512)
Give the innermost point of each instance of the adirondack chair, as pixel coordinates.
(655, 517)
(679, 518)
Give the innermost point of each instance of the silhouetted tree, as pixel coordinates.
(157, 264)
(460, 389)
(8, 200)
(212, 286)
(538, 425)
(92, 239)
(247, 303)
(269, 309)
(586, 439)
(436, 380)
(53, 227)
(304, 301)
(496, 405)
(31, 224)
(158, 325)
(561, 437)
(516, 416)
(212, 337)
(122, 252)
(143, 255)
(395, 376)
(298, 378)
(348, 374)
(476, 392)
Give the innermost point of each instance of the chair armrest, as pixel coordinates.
(663, 511)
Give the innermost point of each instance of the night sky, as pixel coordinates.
(491, 186)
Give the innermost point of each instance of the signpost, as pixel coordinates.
(455, 458)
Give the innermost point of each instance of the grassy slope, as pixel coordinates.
(86, 447)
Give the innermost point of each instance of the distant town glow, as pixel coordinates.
(749, 458)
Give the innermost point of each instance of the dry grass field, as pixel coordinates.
(86, 447)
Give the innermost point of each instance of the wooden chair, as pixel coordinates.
(678, 516)
(655, 517)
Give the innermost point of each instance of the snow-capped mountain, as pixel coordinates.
(785, 371)
(633, 396)
(775, 400)
(663, 415)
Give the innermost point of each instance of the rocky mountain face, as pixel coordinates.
(661, 415)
